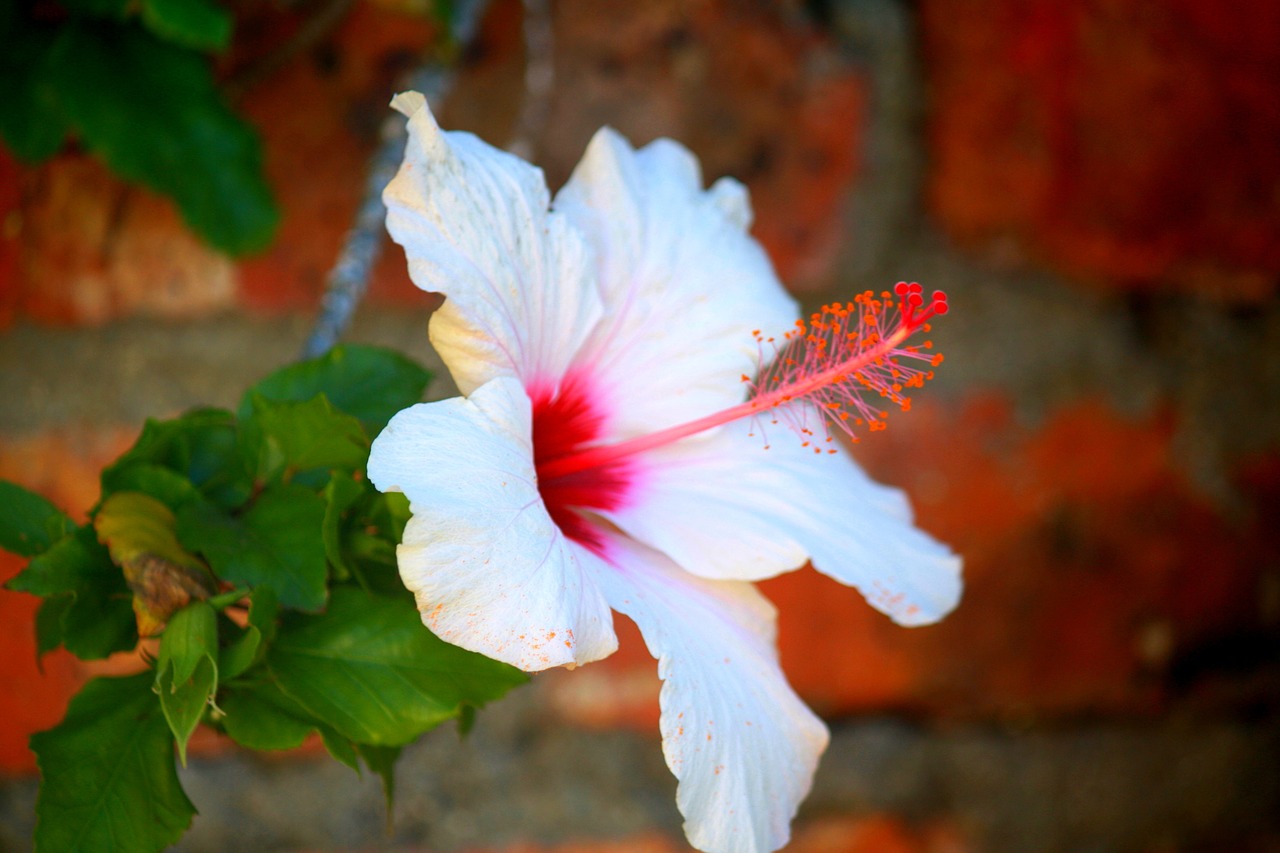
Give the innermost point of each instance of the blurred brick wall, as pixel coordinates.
(1128, 141)
(1114, 161)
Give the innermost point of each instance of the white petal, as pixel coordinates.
(490, 570)
(735, 734)
(683, 283)
(724, 506)
(474, 224)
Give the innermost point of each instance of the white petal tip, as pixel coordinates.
(932, 602)
(733, 200)
(408, 103)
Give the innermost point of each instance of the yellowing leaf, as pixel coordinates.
(138, 531)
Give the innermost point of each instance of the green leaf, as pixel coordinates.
(99, 619)
(187, 670)
(260, 716)
(152, 112)
(289, 436)
(369, 544)
(32, 122)
(97, 625)
(370, 383)
(466, 720)
(164, 484)
(201, 446)
(390, 513)
(190, 637)
(369, 668)
(339, 495)
(140, 533)
(77, 560)
(340, 748)
(184, 702)
(108, 776)
(245, 651)
(196, 24)
(277, 543)
(29, 524)
(49, 632)
(382, 761)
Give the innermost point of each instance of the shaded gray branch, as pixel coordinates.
(349, 278)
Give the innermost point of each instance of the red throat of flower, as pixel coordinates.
(566, 420)
(842, 367)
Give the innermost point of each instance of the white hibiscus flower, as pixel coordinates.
(606, 453)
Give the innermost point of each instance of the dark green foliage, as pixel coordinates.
(130, 82)
(369, 383)
(29, 524)
(266, 513)
(367, 668)
(108, 781)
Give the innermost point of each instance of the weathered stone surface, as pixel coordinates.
(524, 777)
(1129, 142)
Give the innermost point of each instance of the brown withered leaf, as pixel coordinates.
(161, 587)
(139, 532)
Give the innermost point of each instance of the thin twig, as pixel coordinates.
(349, 277)
(539, 78)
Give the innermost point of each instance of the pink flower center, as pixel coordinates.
(567, 419)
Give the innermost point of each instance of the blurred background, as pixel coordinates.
(1095, 183)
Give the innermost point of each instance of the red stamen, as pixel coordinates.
(844, 354)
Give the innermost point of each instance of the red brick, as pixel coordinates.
(1131, 141)
(63, 464)
(10, 232)
(90, 249)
